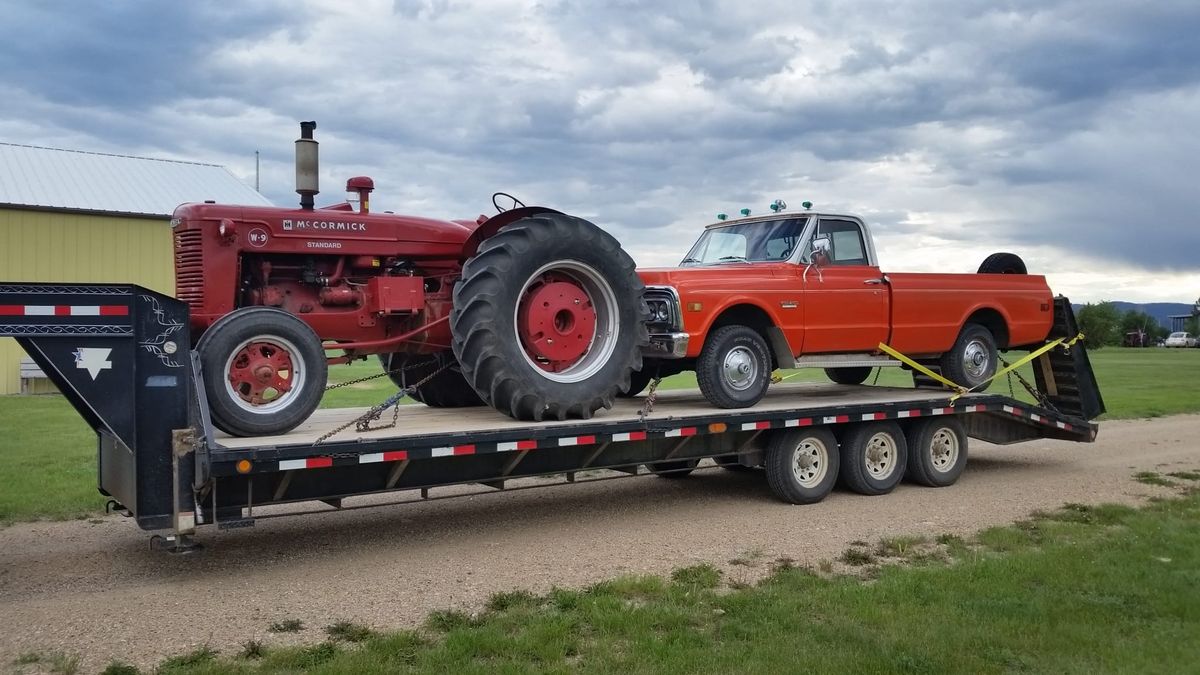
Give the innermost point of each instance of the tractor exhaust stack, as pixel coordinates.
(307, 166)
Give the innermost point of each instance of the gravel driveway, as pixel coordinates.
(94, 588)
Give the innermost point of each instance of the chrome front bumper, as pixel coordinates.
(667, 346)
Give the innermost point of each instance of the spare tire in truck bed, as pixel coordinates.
(1002, 263)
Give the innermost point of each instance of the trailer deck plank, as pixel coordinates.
(420, 420)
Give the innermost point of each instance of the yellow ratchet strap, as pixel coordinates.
(959, 389)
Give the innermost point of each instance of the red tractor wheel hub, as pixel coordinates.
(261, 372)
(556, 322)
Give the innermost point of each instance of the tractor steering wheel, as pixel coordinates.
(516, 203)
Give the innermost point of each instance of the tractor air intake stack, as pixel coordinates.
(306, 166)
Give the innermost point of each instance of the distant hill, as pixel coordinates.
(1158, 310)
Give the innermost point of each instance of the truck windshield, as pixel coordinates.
(761, 241)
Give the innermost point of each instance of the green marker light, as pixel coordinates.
(721, 216)
(745, 212)
(806, 205)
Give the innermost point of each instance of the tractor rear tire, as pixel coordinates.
(264, 371)
(548, 320)
(447, 389)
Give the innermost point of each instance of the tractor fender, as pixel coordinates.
(496, 223)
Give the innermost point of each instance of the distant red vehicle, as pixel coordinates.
(805, 289)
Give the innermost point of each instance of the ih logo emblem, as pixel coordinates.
(93, 359)
(287, 224)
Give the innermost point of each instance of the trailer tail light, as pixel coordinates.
(243, 466)
(717, 428)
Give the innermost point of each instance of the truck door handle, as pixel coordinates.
(874, 281)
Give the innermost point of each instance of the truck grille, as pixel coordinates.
(189, 268)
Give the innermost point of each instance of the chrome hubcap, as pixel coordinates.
(810, 462)
(977, 361)
(944, 450)
(881, 456)
(740, 369)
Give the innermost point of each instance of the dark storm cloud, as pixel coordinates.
(1020, 118)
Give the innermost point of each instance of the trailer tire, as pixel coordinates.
(874, 456)
(447, 389)
(802, 464)
(1002, 263)
(734, 368)
(673, 470)
(849, 375)
(243, 357)
(937, 451)
(973, 358)
(544, 277)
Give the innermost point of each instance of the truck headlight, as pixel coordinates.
(660, 312)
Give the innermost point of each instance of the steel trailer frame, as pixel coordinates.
(120, 355)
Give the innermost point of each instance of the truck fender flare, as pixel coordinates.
(496, 223)
(774, 334)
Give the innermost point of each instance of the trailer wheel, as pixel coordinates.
(264, 371)
(937, 451)
(734, 367)
(1002, 263)
(447, 389)
(973, 358)
(849, 375)
(548, 320)
(802, 464)
(874, 456)
(677, 469)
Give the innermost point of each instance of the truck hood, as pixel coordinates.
(714, 276)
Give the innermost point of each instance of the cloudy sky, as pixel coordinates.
(1067, 132)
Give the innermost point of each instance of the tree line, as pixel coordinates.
(1104, 324)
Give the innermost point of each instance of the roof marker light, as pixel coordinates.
(721, 216)
(744, 212)
(806, 205)
(778, 205)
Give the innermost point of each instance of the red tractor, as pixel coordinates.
(534, 312)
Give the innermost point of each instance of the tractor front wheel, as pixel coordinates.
(264, 371)
(548, 320)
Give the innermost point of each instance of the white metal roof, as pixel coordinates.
(49, 178)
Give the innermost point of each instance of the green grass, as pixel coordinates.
(49, 467)
(1083, 589)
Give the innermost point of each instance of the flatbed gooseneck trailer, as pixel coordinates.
(121, 355)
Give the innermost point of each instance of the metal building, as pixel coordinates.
(70, 216)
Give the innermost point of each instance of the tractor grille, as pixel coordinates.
(189, 268)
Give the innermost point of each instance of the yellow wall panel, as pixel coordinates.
(68, 247)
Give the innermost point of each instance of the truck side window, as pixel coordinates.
(847, 239)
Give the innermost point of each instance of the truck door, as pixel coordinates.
(845, 296)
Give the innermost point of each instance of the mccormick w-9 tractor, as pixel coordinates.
(534, 312)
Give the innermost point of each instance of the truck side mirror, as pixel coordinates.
(821, 246)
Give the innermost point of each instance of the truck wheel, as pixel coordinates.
(1002, 263)
(734, 367)
(548, 320)
(937, 451)
(802, 464)
(638, 381)
(448, 389)
(873, 457)
(673, 470)
(973, 358)
(849, 375)
(264, 371)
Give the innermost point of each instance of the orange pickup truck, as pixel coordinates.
(792, 290)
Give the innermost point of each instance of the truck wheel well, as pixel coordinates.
(751, 317)
(994, 322)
